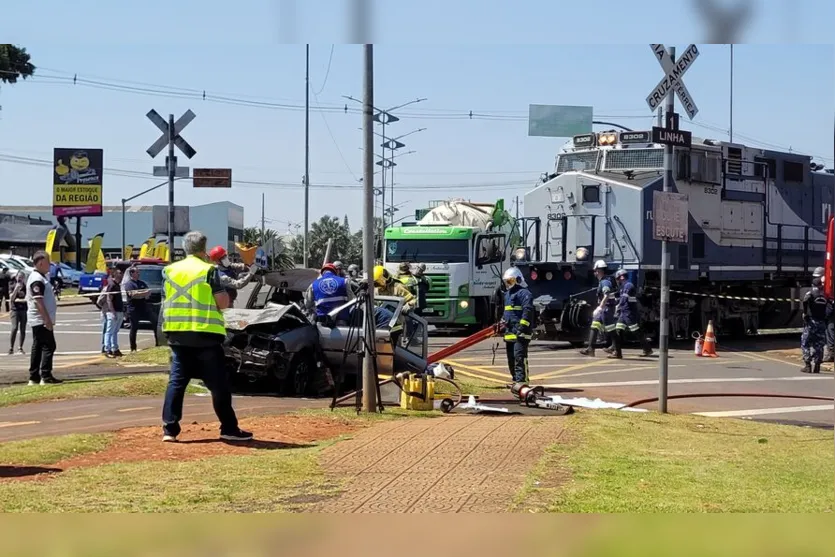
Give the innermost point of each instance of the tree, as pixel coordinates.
(280, 257)
(14, 64)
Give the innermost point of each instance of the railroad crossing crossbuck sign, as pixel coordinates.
(674, 70)
(166, 137)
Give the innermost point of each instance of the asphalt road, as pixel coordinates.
(77, 335)
(744, 367)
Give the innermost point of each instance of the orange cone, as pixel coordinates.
(709, 347)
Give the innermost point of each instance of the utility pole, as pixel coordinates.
(263, 234)
(306, 149)
(664, 329)
(731, 131)
(172, 170)
(369, 388)
(517, 207)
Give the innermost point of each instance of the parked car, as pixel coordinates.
(91, 284)
(272, 340)
(71, 275)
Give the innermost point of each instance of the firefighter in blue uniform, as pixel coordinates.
(829, 351)
(603, 318)
(816, 311)
(330, 290)
(518, 320)
(628, 318)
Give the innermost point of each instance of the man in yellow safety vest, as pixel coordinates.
(193, 323)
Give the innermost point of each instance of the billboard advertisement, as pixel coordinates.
(77, 182)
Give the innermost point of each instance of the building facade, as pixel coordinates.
(221, 222)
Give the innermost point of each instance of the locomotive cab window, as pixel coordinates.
(591, 194)
(792, 171)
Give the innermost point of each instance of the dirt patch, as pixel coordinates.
(198, 441)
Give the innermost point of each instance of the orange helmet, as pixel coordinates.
(217, 253)
(329, 267)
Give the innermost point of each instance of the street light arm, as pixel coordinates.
(125, 200)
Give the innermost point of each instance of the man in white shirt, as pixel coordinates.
(41, 312)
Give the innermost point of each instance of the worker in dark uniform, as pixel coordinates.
(816, 311)
(627, 316)
(829, 351)
(518, 322)
(603, 318)
(422, 286)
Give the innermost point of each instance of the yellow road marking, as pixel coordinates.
(489, 379)
(137, 409)
(478, 369)
(13, 424)
(76, 418)
(572, 368)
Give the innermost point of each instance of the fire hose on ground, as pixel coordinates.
(710, 395)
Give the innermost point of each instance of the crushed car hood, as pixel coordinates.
(240, 319)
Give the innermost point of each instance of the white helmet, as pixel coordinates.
(818, 272)
(600, 264)
(514, 276)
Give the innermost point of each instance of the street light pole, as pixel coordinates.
(124, 202)
(306, 149)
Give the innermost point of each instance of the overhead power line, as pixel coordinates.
(144, 88)
(135, 174)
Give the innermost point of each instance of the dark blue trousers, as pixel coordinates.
(206, 363)
(517, 359)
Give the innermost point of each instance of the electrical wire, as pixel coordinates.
(327, 72)
(417, 113)
(135, 174)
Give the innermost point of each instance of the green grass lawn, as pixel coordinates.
(151, 384)
(625, 462)
(154, 356)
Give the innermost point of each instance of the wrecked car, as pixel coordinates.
(271, 340)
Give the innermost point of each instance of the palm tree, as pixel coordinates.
(14, 63)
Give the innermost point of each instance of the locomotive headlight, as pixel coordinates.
(582, 254)
(606, 139)
(549, 275)
(463, 304)
(519, 254)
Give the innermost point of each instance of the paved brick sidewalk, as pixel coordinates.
(451, 464)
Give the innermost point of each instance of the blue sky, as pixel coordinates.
(783, 95)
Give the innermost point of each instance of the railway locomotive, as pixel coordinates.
(756, 229)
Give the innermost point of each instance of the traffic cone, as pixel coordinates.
(709, 347)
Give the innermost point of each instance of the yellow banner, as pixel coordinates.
(127, 252)
(95, 258)
(159, 252)
(147, 247)
(50, 242)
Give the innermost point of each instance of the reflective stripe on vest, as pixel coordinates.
(513, 308)
(333, 299)
(189, 305)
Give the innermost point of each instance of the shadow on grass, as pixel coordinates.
(254, 444)
(25, 471)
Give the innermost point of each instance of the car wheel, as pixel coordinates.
(299, 375)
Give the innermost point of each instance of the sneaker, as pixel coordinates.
(33, 383)
(20, 350)
(109, 355)
(117, 353)
(169, 438)
(51, 381)
(239, 435)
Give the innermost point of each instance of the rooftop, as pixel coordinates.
(105, 208)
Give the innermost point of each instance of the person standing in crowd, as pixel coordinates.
(115, 314)
(138, 308)
(816, 310)
(18, 312)
(193, 323)
(100, 303)
(41, 308)
(5, 283)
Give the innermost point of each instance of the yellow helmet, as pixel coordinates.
(380, 275)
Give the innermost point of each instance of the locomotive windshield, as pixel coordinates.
(428, 251)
